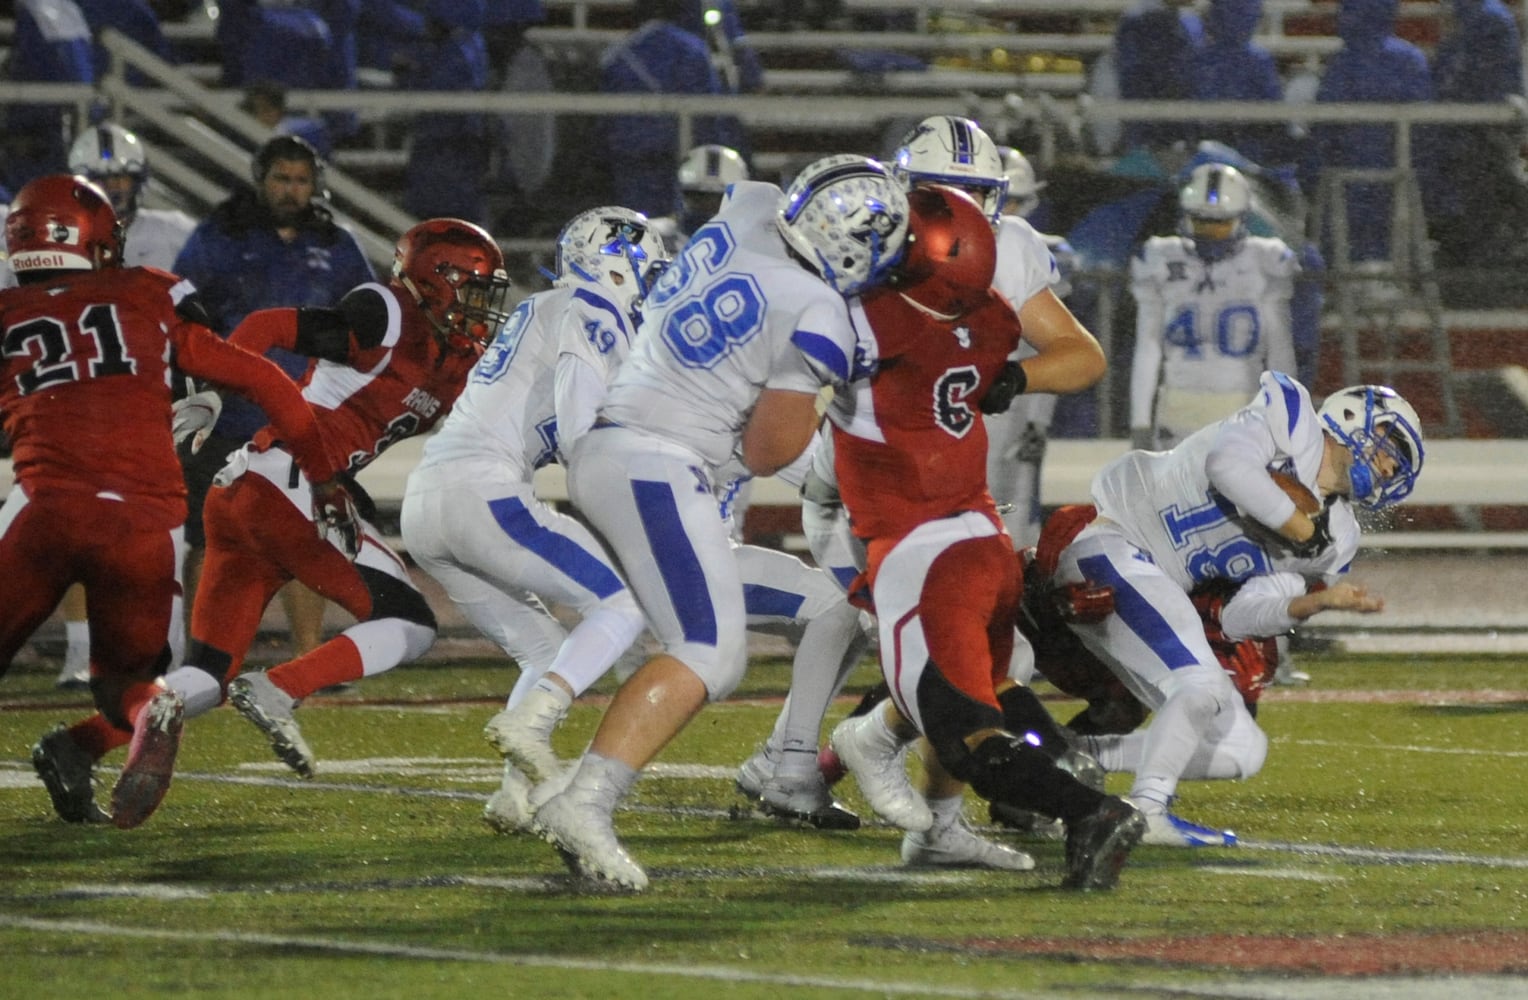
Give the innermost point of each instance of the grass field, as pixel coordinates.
(1384, 853)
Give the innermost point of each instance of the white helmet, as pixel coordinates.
(1371, 420)
(1023, 187)
(614, 248)
(1215, 193)
(711, 169)
(109, 150)
(945, 149)
(847, 218)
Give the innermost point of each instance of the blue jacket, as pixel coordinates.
(51, 45)
(1155, 49)
(448, 153)
(1231, 68)
(658, 58)
(239, 264)
(1372, 66)
(135, 19)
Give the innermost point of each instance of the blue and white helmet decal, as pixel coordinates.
(614, 248)
(847, 218)
(1370, 421)
(945, 149)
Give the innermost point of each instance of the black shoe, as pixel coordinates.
(1098, 844)
(65, 769)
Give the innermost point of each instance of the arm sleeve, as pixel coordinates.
(1282, 268)
(1237, 466)
(266, 328)
(199, 352)
(1261, 607)
(1146, 363)
(578, 388)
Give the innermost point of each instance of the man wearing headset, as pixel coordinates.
(268, 245)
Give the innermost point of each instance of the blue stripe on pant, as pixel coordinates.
(1138, 614)
(583, 567)
(678, 564)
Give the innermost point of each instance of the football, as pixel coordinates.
(1305, 500)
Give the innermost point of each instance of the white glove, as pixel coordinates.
(194, 417)
(335, 516)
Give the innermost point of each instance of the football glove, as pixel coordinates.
(1008, 386)
(1320, 539)
(335, 515)
(194, 417)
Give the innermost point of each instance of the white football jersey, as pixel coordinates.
(1209, 328)
(1200, 509)
(735, 314)
(1025, 264)
(507, 415)
(155, 237)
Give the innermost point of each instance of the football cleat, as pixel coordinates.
(75, 675)
(260, 701)
(509, 808)
(65, 769)
(1032, 824)
(1163, 829)
(523, 734)
(1098, 844)
(956, 845)
(878, 761)
(754, 772)
(806, 800)
(585, 837)
(150, 760)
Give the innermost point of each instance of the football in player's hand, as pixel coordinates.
(1305, 500)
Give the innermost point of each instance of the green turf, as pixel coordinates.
(381, 881)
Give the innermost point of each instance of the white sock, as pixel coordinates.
(77, 650)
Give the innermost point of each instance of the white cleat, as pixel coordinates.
(754, 772)
(523, 734)
(1163, 829)
(260, 701)
(878, 761)
(509, 808)
(585, 837)
(956, 845)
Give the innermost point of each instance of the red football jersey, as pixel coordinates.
(85, 385)
(910, 442)
(396, 381)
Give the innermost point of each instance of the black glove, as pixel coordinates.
(1320, 539)
(1007, 387)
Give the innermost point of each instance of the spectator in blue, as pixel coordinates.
(1231, 67)
(1476, 204)
(290, 44)
(660, 57)
(135, 19)
(447, 169)
(384, 30)
(1373, 65)
(51, 44)
(1156, 47)
(270, 244)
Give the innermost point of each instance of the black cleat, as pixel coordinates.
(1098, 844)
(65, 769)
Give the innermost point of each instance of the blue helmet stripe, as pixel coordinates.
(829, 177)
(963, 141)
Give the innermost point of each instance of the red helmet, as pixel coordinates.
(455, 272)
(951, 251)
(62, 223)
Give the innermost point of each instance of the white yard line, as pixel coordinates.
(340, 946)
